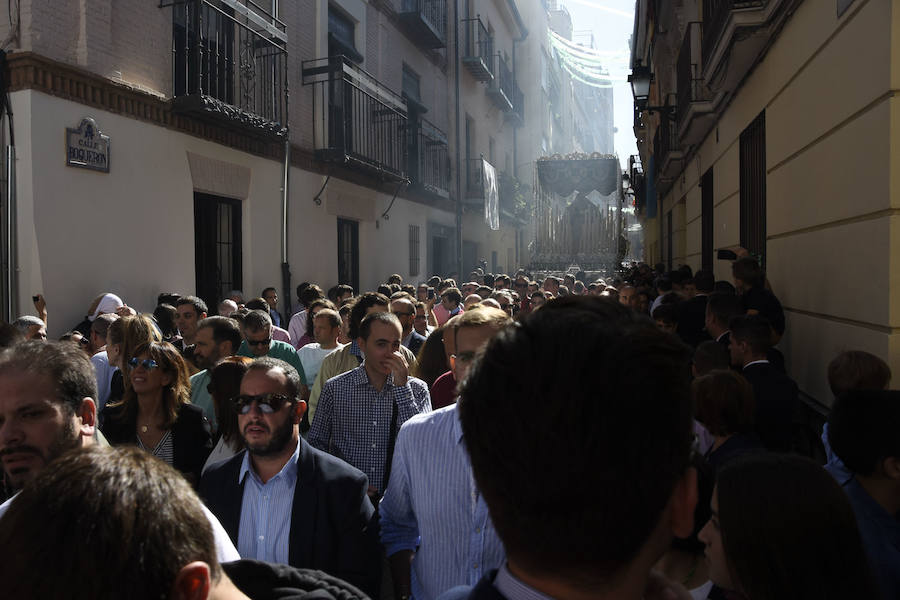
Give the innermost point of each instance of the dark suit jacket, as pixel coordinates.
(191, 437)
(332, 526)
(415, 342)
(692, 320)
(777, 403)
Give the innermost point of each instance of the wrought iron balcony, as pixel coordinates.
(500, 89)
(356, 119)
(516, 116)
(230, 64)
(478, 53)
(695, 103)
(425, 21)
(429, 159)
(667, 149)
(474, 179)
(715, 16)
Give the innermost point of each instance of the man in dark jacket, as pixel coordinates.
(281, 500)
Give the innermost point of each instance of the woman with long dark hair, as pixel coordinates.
(224, 386)
(155, 412)
(781, 527)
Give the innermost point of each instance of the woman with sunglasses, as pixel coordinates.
(155, 412)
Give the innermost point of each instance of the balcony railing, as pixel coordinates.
(479, 50)
(425, 21)
(229, 63)
(474, 178)
(500, 89)
(517, 115)
(715, 16)
(355, 117)
(429, 159)
(689, 71)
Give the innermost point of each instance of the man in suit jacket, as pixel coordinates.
(281, 500)
(692, 312)
(405, 310)
(777, 397)
(720, 309)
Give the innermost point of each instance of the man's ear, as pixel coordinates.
(299, 411)
(683, 503)
(192, 582)
(87, 412)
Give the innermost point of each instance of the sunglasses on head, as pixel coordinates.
(147, 363)
(264, 342)
(268, 403)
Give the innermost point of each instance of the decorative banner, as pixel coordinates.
(491, 195)
(87, 147)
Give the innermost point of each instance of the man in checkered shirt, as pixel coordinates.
(356, 409)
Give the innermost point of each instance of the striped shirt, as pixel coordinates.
(353, 419)
(265, 527)
(431, 502)
(163, 450)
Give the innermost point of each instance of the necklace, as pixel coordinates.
(144, 428)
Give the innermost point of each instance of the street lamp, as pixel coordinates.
(640, 79)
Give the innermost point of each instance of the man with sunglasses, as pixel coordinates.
(431, 511)
(283, 501)
(258, 342)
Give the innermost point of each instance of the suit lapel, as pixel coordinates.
(303, 512)
(232, 496)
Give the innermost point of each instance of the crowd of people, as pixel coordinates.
(567, 436)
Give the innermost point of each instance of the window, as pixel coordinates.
(706, 220)
(411, 84)
(753, 187)
(413, 250)
(348, 252)
(341, 35)
(217, 246)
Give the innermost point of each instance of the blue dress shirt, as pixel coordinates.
(265, 527)
(880, 533)
(431, 502)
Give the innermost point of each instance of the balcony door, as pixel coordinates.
(217, 246)
(348, 253)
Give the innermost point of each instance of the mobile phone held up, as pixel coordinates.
(724, 254)
(431, 293)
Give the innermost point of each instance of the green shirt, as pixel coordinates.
(280, 350)
(200, 396)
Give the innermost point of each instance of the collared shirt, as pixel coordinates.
(104, 372)
(431, 503)
(353, 419)
(880, 533)
(265, 527)
(756, 362)
(297, 326)
(513, 588)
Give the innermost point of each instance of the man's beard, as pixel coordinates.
(68, 439)
(280, 438)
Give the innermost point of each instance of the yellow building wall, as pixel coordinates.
(832, 200)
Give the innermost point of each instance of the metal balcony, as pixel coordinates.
(356, 119)
(500, 89)
(735, 34)
(516, 116)
(229, 64)
(667, 149)
(479, 50)
(695, 103)
(474, 180)
(429, 159)
(425, 22)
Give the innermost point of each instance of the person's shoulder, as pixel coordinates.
(198, 376)
(266, 580)
(344, 379)
(283, 347)
(100, 358)
(219, 471)
(427, 423)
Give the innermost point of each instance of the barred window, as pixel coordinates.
(413, 250)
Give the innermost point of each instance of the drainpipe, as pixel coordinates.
(459, 191)
(285, 195)
(515, 136)
(10, 274)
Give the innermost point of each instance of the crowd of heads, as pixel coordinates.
(583, 403)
